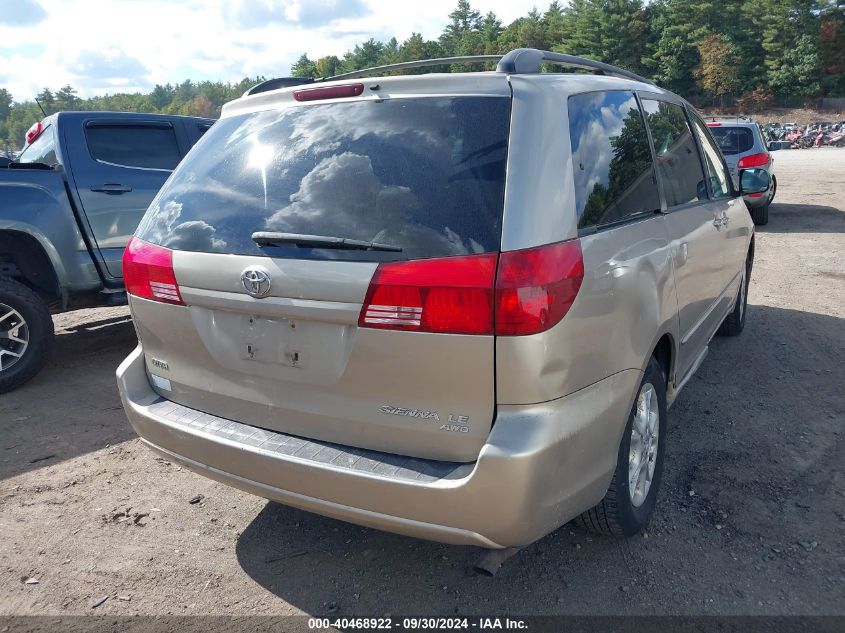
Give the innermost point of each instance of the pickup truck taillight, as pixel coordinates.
(34, 132)
(148, 272)
(513, 294)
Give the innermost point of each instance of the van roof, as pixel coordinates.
(522, 61)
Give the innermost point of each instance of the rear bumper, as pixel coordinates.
(541, 466)
(754, 203)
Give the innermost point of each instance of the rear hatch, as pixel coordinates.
(272, 331)
(734, 141)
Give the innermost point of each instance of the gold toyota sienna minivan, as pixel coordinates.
(452, 306)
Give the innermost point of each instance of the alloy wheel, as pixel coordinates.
(14, 336)
(643, 451)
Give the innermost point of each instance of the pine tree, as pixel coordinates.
(303, 67)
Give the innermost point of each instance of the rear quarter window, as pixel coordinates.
(424, 174)
(611, 159)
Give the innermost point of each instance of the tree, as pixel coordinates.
(67, 98)
(200, 106)
(364, 55)
(718, 72)
(832, 48)
(799, 74)
(303, 67)
(464, 22)
(622, 28)
(47, 101)
(786, 26)
(682, 24)
(554, 25)
(5, 103)
(162, 95)
(490, 30)
(327, 66)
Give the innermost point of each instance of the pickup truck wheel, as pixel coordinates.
(734, 323)
(26, 334)
(629, 501)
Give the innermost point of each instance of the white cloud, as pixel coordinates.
(22, 13)
(134, 44)
(250, 14)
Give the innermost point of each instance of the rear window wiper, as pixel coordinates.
(301, 240)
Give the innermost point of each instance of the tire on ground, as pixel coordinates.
(616, 514)
(40, 325)
(760, 215)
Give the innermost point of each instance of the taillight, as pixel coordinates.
(451, 295)
(712, 124)
(148, 272)
(34, 132)
(536, 287)
(532, 291)
(753, 160)
(328, 92)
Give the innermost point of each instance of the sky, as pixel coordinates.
(108, 46)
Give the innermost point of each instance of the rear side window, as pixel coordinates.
(677, 156)
(733, 140)
(42, 150)
(611, 159)
(422, 174)
(146, 146)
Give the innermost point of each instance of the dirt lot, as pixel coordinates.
(750, 520)
(800, 116)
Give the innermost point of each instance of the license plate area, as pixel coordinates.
(279, 348)
(278, 341)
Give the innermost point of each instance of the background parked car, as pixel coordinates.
(67, 210)
(741, 142)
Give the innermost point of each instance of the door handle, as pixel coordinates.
(111, 187)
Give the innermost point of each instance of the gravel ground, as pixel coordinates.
(750, 519)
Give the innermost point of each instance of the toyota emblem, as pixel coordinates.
(256, 282)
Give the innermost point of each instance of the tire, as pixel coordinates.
(622, 513)
(26, 334)
(760, 215)
(734, 323)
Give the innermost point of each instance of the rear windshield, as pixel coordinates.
(733, 140)
(423, 174)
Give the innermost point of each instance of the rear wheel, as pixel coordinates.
(26, 334)
(760, 215)
(629, 502)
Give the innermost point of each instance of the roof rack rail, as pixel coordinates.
(529, 60)
(279, 82)
(420, 63)
(518, 61)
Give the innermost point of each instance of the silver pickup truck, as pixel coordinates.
(68, 207)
